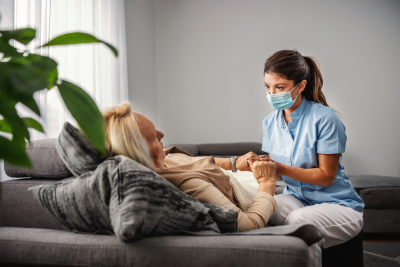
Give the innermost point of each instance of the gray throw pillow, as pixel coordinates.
(80, 204)
(76, 151)
(145, 204)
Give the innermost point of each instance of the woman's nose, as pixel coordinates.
(271, 91)
(160, 135)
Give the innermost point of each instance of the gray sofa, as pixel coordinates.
(30, 235)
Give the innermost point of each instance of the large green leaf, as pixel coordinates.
(46, 66)
(21, 77)
(78, 38)
(34, 124)
(5, 127)
(23, 36)
(7, 49)
(14, 153)
(7, 109)
(86, 113)
(29, 122)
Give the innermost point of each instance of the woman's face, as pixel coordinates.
(276, 84)
(153, 138)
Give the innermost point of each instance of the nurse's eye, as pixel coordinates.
(266, 86)
(280, 87)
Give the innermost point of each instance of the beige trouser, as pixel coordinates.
(337, 223)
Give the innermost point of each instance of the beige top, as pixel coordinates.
(202, 179)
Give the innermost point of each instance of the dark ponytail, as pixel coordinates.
(291, 65)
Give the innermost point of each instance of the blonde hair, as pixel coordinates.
(123, 135)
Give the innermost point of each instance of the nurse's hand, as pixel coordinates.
(263, 171)
(242, 164)
(278, 166)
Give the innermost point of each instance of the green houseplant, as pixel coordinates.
(21, 75)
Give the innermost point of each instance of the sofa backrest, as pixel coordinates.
(223, 150)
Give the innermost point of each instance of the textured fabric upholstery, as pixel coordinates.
(381, 221)
(45, 160)
(381, 197)
(191, 149)
(229, 149)
(367, 181)
(80, 204)
(72, 145)
(220, 149)
(19, 208)
(60, 248)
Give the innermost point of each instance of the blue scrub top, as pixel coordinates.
(314, 129)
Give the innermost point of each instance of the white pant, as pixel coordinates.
(337, 223)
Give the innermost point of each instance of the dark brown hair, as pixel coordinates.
(291, 65)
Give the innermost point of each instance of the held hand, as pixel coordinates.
(278, 166)
(263, 171)
(241, 162)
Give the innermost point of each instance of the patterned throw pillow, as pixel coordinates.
(145, 204)
(80, 204)
(76, 151)
(123, 196)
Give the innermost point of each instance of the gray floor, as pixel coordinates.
(381, 254)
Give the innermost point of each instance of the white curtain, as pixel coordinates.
(93, 67)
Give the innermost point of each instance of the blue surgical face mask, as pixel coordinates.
(282, 101)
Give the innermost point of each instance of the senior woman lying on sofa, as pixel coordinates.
(133, 135)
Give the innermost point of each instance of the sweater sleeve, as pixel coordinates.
(255, 217)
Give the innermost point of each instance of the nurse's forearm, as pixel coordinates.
(315, 176)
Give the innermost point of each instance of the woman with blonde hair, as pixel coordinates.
(133, 135)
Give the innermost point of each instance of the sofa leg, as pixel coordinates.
(348, 254)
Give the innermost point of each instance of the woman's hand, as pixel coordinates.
(243, 165)
(265, 174)
(263, 171)
(278, 166)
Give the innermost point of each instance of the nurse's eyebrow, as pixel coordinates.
(276, 84)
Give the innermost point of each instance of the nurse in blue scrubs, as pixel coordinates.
(305, 139)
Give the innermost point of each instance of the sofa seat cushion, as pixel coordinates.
(60, 248)
(382, 221)
(19, 208)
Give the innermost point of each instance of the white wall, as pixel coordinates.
(141, 53)
(209, 58)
